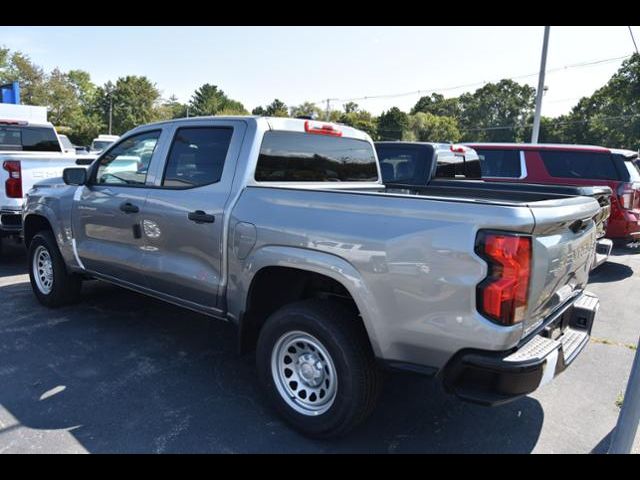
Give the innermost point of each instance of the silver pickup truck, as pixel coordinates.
(284, 228)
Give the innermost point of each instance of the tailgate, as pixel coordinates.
(564, 239)
(37, 167)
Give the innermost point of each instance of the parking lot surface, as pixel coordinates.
(121, 372)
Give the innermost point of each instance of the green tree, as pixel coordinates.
(438, 105)
(32, 78)
(392, 124)
(276, 108)
(259, 111)
(210, 100)
(611, 115)
(307, 109)
(63, 104)
(134, 101)
(497, 112)
(360, 119)
(427, 127)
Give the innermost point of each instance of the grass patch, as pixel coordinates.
(604, 341)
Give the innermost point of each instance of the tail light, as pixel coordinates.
(13, 185)
(321, 129)
(502, 296)
(625, 195)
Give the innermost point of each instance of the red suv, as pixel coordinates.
(572, 165)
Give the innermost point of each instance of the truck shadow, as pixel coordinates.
(130, 374)
(610, 271)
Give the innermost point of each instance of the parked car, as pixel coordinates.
(444, 165)
(572, 165)
(102, 142)
(29, 152)
(284, 228)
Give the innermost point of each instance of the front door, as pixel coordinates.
(106, 219)
(182, 221)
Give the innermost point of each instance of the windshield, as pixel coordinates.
(100, 144)
(66, 143)
(634, 173)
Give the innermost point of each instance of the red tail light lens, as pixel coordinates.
(321, 129)
(13, 185)
(502, 296)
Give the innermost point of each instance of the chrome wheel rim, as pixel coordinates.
(304, 373)
(43, 270)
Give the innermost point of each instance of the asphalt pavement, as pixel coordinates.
(120, 372)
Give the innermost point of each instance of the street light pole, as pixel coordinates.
(110, 112)
(540, 92)
(627, 426)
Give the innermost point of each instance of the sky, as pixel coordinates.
(254, 65)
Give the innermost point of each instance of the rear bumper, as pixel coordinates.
(10, 221)
(494, 378)
(603, 251)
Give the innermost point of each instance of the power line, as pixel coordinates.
(474, 84)
(633, 39)
(566, 122)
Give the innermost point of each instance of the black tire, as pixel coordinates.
(65, 288)
(340, 331)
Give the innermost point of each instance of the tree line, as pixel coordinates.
(496, 112)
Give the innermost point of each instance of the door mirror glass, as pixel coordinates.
(74, 176)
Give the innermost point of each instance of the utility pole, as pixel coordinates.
(540, 92)
(110, 112)
(627, 426)
(328, 109)
(635, 45)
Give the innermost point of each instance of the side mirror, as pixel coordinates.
(74, 176)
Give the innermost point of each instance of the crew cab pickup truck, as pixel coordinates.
(284, 228)
(29, 152)
(443, 165)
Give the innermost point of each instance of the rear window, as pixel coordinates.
(500, 163)
(405, 165)
(632, 168)
(29, 139)
(303, 157)
(589, 165)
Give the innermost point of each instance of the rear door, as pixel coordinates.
(106, 211)
(183, 218)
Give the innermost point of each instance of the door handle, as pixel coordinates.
(128, 207)
(200, 217)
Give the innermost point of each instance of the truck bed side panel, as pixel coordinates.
(415, 256)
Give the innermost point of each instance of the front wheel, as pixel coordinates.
(50, 281)
(316, 364)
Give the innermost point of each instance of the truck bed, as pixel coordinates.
(512, 193)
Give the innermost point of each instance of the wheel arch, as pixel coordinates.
(296, 273)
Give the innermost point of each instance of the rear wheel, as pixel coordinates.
(50, 281)
(316, 365)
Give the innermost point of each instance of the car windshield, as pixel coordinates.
(100, 144)
(66, 143)
(634, 173)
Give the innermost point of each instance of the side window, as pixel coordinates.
(590, 165)
(197, 156)
(500, 163)
(127, 162)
